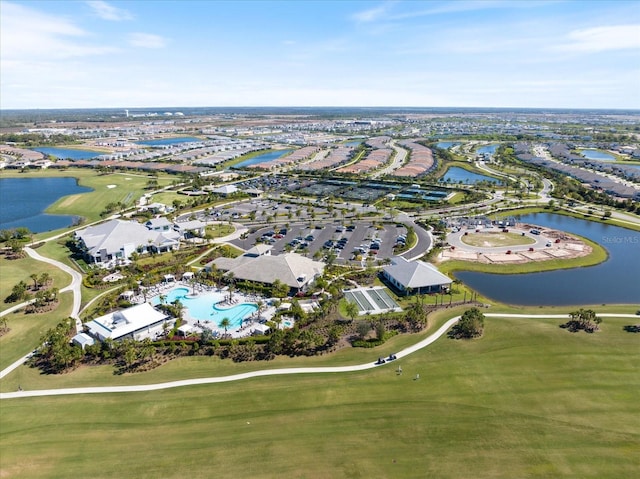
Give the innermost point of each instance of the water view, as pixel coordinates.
(25, 199)
(597, 155)
(460, 175)
(487, 149)
(272, 155)
(613, 282)
(445, 145)
(168, 141)
(68, 153)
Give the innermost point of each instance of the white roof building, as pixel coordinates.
(225, 190)
(415, 276)
(137, 322)
(119, 239)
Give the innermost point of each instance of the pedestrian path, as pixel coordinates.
(275, 372)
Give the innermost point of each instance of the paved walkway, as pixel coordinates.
(276, 372)
(74, 286)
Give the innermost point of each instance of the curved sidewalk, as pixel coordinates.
(74, 286)
(274, 372)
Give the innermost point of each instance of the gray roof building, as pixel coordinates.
(415, 276)
(292, 269)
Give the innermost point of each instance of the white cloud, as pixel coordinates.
(108, 12)
(29, 35)
(147, 40)
(372, 14)
(600, 39)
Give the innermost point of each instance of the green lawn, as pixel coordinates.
(115, 187)
(14, 271)
(496, 239)
(27, 329)
(527, 400)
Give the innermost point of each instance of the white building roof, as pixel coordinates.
(415, 274)
(114, 234)
(120, 323)
(225, 189)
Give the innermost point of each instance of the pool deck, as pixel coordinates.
(248, 324)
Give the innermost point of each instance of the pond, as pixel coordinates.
(24, 200)
(597, 155)
(445, 145)
(460, 175)
(272, 155)
(615, 281)
(68, 153)
(168, 141)
(487, 149)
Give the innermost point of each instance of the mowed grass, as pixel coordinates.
(492, 240)
(27, 329)
(527, 400)
(16, 270)
(126, 188)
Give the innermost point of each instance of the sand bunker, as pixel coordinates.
(111, 186)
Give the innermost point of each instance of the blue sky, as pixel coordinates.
(90, 54)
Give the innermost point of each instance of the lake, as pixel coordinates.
(23, 201)
(445, 145)
(488, 149)
(272, 155)
(616, 281)
(597, 155)
(168, 141)
(68, 153)
(457, 175)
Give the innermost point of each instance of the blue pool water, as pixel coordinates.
(204, 307)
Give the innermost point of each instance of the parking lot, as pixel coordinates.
(262, 210)
(345, 240)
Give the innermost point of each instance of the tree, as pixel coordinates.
(279, 289)
(583, 319)
(44, 279)
(363, 328)
(225, 323)
(470, 325)
(351, 309)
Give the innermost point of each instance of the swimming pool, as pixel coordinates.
(204, 307)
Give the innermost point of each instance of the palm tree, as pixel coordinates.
(44, 279)
(225, 323)
(34, 277)
(351, 309)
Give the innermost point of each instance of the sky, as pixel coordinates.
(478, 53)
